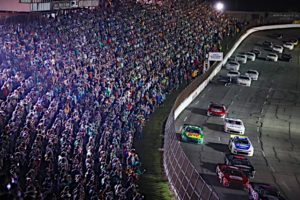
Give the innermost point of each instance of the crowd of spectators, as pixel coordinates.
(77, 88)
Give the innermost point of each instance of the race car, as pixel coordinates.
(253, 74)
(250, 56)
(232, 65)
(267, 44)
(244, 80)
(232, 59)
(215, 109)
(241, 58)
(231, 176)
(233, 74)
(242, 163)
(294, 41)
(277, 36)
(241, 145)
(232, 125)
(191, 133)
(223, 79)
(259, 191)
(272, 57)
(277, 48)
(257, 52)
(288, 45)
(286, 57)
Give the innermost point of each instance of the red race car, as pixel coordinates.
(216, 110)
(231, 176)
(258, 191)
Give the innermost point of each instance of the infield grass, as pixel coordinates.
(153, 183)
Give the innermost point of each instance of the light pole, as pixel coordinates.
(219, 6)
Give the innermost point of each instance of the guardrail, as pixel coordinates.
(184, 179)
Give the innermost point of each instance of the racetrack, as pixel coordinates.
(270, 110)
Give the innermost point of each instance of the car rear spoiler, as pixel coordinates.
(239, 136)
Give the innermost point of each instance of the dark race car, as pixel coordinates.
(224, 79)
(286, 57)
(257, 52)
(215, 109)
(267, 44)
(231, 176)
(242, 163)
(278, 36)
(294, 41)
(262, 191)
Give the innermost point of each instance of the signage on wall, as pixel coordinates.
(215, 56)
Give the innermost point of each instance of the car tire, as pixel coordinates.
(249, 194)
(226, 162)
(224, 183)
(183, 138)
(231, 150)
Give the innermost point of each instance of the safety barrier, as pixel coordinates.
(185, 181)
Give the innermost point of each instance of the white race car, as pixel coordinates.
(288, 45)
(272, 57)
(233, 58)
(244, 80)
(233, 74)
(241, 58)
(232, 125)
(277, 48)
(250, 56)
(253, 74)
(267, 44)
(241, 145)
(257, 52)
(232, 65)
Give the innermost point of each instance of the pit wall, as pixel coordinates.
(185, 181)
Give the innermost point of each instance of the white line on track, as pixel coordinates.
(267, 96)
(258, 140)
(261, 111)
(263, 153)
(284, 183)
(265, 102)
(219, 139)
(197, 102)
(270, 90)
(185, 119)
(272, 169)
(203, 96)
(257, 129)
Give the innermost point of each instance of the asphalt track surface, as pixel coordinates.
(270, 110)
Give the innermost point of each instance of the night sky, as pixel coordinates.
(262, 5)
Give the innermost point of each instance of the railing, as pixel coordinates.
(184, 179)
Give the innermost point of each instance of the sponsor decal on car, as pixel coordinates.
(193, 135)
(242, 146)
(236, 178)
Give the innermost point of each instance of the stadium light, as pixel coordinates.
(219, 6)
